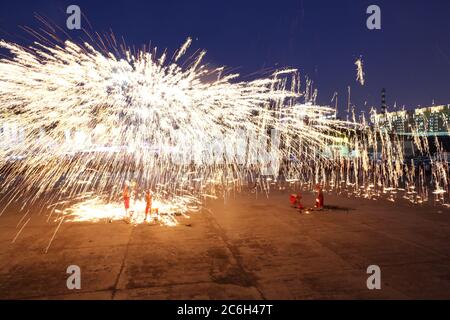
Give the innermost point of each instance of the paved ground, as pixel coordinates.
(244, 249)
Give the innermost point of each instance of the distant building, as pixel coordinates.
(430, 121)
(433, 120)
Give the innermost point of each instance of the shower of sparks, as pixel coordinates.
(77, 120)
(359, 71)
(78, 123)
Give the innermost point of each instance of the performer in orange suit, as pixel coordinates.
(126, 197)
(319, 197)
(148, 203)
(293, 200)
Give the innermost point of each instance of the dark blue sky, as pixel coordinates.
(410, 56)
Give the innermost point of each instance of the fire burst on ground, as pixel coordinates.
(96, 209)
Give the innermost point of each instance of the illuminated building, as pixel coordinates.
(432, 121)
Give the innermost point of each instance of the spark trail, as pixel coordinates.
(360, 72)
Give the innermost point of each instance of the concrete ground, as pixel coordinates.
(244, 249)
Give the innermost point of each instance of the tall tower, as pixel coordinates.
(383, 101)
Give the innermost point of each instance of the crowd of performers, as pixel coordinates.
(296, 200)
(129, 192)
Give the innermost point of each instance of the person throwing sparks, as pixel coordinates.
(148, 203)
(293, 200)
(296, 202)
(126, 200)
(319, 197)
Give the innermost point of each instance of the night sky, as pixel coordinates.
(410, 56)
